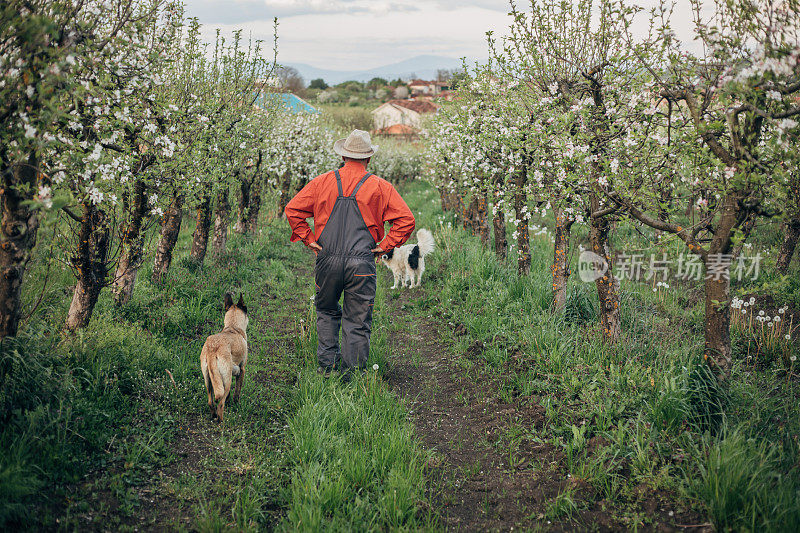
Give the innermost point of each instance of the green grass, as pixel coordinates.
(563, 506)
(355, 463)
(744, 485)
(731, 453)
(93, 428)
(347, 118)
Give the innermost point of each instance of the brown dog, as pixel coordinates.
(225, 355)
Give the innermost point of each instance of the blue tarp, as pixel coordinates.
(288, 101)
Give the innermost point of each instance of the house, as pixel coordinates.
(287, 101)
(420, 87)
(407, 112)
(427, 88)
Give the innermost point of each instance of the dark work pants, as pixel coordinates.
(355, 276)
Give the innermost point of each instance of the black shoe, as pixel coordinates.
(327, 371)
(347, 375)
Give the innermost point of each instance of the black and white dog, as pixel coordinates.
(408, 261)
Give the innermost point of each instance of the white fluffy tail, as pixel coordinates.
(425, 242)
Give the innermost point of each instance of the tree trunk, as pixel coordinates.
(607, 284)
(18, 228)
(717, 287)
(221, 223)
(255, 205)
(717, 326)
(458, 206)
(283, 197)
(600, 225)
(169, 237)
(91, 266)
(521, 215)
(468, 214)
(499, 220)
(500, 240)
(132, 245)
(482, 219)
(444, 198)
(792, 235)
(200, 236)
(561, 260)
(244, 206)
(449, 199)
(455, 202)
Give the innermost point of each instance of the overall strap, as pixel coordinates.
(360, 183)
(339, 182)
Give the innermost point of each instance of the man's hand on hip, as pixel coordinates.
(316, 248)
(377, 252)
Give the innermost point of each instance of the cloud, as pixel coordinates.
(362, 34)
(369, 39)
(240, 11)
(494, 5)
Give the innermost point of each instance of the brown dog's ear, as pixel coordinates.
(228, 301)
(241, 305)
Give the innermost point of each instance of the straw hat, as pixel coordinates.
(357, 145)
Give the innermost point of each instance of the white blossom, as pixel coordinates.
(95, 195)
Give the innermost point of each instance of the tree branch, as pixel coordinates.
(72, 215)
(775, 116)
(662, 225)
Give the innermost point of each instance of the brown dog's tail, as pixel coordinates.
(214, 377)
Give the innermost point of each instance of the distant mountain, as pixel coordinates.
(423, 67)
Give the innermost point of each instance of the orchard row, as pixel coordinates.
(577, 112)
(117, 119)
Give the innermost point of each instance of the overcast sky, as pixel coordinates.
(362, 34)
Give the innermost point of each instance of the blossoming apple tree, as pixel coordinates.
(572, 66)
(734, 107)
(115, 109)
(45, 46)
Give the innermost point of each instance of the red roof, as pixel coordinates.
(419, 82)
(396, 129)
(419, 106)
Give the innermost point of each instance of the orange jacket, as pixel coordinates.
(377, 200)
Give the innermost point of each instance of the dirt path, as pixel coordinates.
(476, 489)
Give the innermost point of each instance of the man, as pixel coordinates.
(350, 207)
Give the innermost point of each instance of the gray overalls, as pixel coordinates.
(345, 264)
